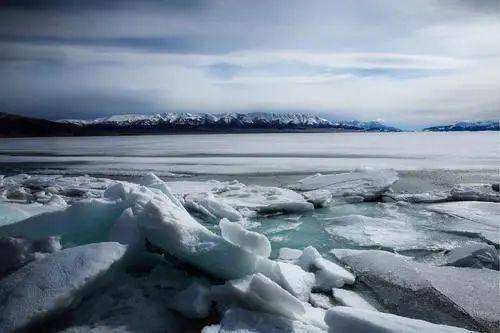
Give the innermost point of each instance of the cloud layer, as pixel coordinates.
(413, 63)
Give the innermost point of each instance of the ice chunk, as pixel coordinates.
(83, 221)
(286, 254)
(193, 302)
(266, 200)
(342, 319)
(476, 255)
(53, 283)
(171, 228)
(237, 320)
(294, 279)
(370, 232)
(369, 184)
(16, 252)
(211, 329)
(320, 300)
(475, 218)
(209, 205)
(319, 198)
(474, 192)
(256, 292)
(249, 240)
(13, 212)
(125, 229)
(454, 296)
(328, 274)
(351, 299)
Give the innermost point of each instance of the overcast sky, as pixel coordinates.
(412, 63)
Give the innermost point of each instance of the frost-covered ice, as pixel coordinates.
(328, 274)
(475, 255)
(352, 299)
(16, 252)
(367, 184)
(463, 297)
(53, 283)
(237, 320)
(342, 319)
(249, 240)
(370, 232)
(475, 217)
(185, 272)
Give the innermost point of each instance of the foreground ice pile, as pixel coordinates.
(86, 255)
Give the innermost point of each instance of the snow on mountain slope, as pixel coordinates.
(481, 125)
(255, 120)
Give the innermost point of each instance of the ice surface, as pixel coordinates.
(171, 228)
(370, 231)
(16, 252)
(369, 184)
(82, 221)
(320, 300)
(257, 292)
(53, 283)
(193, 302)
(319, 198)
(342, 319)
(13, 212)
(352, 299)
(474, 255)
(476, 218)
(249, 240)
(237, 320)
(207, 204)
(125, 229)
(286, 254)
(294, 279)
(454, 296)
(266, 200)
(328, 274)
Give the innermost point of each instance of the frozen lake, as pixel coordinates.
(239, 154)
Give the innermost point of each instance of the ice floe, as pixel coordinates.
(328, 274)
(475, 255)
(474, 218)
(454, 296)
(352, 299)
(52, 284)
(367, 184)
(342, 319)
(251, 241)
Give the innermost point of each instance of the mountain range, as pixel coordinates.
(231, 122)
(482, 125)
(169, 123)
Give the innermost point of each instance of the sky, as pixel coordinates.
(411, 63)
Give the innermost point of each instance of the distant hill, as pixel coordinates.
(485, 125)
(19, 126)
(224, 122)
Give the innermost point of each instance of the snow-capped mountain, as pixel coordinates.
(482, 125)
(226, 121)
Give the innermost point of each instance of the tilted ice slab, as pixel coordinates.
(52, 284)
(328, 274)
(368, 184)
(248, 240)
(476, 255)
(81, 222)
(352, 299)
(170, 227)
(475, 218)
(11, 212)
(16, 252)
(257, 292)
(454, 296)
(342, 319)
